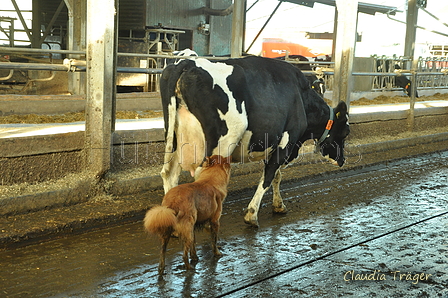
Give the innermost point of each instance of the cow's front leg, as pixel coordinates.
(270, 170)
(277, 201)
(251, 217)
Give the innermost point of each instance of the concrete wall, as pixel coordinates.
(40, 158)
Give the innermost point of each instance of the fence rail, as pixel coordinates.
(432, 72)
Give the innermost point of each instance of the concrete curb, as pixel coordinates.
(403, 143)
(86, 189)
(155, 182)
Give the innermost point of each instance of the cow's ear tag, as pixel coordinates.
(338, 114)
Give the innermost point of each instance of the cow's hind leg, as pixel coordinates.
(277, 201)
(170, 171)
(171, 166)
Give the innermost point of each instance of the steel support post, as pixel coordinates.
(335, 33)
(411, 29)
(411, 116)
(347, 12)
(35, 29)
(236, 44)
(409, 51)
(101, 65)
(76, 41)
(11, 34)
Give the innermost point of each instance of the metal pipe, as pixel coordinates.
(11, 72)
(420, 27)
(422, 8)
(77, 66)
(33, 66)
(39, 51)
(252, 5)
(22, 20)
(315, 72)
(309, 62)
(53, 19)
(237, 34)
(80, 67)
(51, 77)
(45, 51)
(391, 74)
(217, 12)
(139, 55)
(411, 118)
(18, 40)
(139, 70)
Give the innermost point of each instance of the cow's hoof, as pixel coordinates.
(282, 209)
(251, 218)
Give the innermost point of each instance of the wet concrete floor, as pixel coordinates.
(385, 224)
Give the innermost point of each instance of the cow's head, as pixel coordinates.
(319, 86)
(333, 144)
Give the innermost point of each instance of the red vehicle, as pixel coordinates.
(277, 47)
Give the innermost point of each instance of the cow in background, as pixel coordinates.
(404, 83)
(316, 83)
(385, 66)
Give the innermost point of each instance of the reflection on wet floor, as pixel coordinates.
(306, 252)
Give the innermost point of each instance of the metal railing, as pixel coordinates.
(431, 72)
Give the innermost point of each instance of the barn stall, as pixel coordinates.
(102, 171)
(146, 33)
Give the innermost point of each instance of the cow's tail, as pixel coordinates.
(160, 220)
(170, 102)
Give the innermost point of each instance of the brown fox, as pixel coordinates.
(188, 205)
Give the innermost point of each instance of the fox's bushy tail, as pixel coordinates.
(160, 220)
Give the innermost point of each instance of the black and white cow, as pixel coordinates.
(385, 66)
(252, 108)
(404, 83)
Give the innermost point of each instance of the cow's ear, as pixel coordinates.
(341, 110)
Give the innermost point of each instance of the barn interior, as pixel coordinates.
(75, 61)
